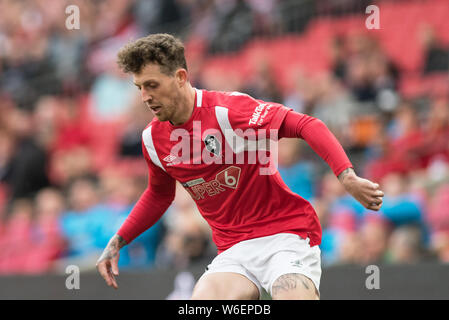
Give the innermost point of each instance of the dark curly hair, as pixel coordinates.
(161, 48)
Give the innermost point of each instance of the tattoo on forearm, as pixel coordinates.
(345, 173)
(113, 247)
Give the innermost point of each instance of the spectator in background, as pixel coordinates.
(112, 94)
(402, 207)
(305, 92)
(82, 224)
(46, 117)
(49, 243)
(69, 121)
(438, 220)
(436, 131)
(234, 25)
(299, 175)
(335, 106)
(84, 228)
(16, 240)
(27, 66)
(67, 51)
(436, 56)
(339, 216)
(67, 165)
(298, 20)
(120, 192)
(157, 15)
(405, 245)
(338, 57)
(406, 137)
(131, 138)
(24, 164)
(267, 17)
(188, 238)
(399, 145)
(6, 153)
(374, 233)
(262, 84)
(340, 242)
(367, 71)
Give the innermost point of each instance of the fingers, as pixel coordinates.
(114, 267)
(366, 192)
(105, 270)
(375, 207)
(375, 203)
(112, 278)
(378, 193)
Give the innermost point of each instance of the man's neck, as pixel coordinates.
(187, 102)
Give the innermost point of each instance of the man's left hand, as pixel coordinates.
(364, 191)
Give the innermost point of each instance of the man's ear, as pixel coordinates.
(181, 76)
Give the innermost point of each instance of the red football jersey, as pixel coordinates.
(212, 155)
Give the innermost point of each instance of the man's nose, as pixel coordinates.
(146, 97)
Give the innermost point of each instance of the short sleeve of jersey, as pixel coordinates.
(246, 112)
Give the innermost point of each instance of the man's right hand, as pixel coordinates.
(107, 264)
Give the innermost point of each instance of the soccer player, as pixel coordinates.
(266, 235)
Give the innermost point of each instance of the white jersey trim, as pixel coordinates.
(149, 145)
(237, 143)
(199, 97)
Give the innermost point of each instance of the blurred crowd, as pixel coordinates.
(71, 167)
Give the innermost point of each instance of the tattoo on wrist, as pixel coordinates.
(113, 247)
(345, 173)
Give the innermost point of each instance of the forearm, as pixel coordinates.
(347, 178)
(346, 175)
(147, 211)
(113, 248)
(324, 143)
(319, 138)
(152, 204)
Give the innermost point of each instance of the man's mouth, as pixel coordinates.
(155, 109)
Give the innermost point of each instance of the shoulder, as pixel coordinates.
(148, 144)
(232, 100)
(150, 130)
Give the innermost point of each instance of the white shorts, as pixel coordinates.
(263, 260)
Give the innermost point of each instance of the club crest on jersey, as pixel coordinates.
(212, 144)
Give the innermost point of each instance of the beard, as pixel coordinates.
(171, 109)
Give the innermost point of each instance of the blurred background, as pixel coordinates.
(71, 167)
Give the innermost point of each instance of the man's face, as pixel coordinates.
(160, 92)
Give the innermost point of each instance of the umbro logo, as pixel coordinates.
(169, 159)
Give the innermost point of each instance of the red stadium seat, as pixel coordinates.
(309, 51)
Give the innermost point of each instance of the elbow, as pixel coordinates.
(312, 127)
